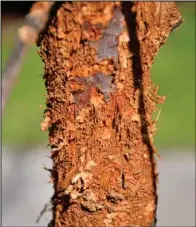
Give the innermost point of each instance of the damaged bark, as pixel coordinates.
(100, 100)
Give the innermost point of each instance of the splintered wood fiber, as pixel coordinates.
(100, 100)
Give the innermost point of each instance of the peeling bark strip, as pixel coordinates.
(100, 101)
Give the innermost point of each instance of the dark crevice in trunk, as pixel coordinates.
(134, 46)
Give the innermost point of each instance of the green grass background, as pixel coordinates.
(173, 71)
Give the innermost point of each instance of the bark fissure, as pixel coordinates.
(134, 46)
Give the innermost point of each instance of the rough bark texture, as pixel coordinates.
(100, 100)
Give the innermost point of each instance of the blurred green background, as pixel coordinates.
(173, 71)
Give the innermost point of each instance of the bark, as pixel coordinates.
(100, 100)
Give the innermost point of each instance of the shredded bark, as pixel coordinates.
(100, 102)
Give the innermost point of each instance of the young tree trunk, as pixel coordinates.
(100, 100)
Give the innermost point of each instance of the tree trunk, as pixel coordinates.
(100, 101)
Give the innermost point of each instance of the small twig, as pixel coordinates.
(35, 22)
(47, 169)
(158, 115)
(47, 207)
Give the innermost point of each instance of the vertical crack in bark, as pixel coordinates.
(134, 45)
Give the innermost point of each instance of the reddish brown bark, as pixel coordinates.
(100, 101)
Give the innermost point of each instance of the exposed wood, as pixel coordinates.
(100, 102)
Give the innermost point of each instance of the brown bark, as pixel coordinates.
(100, 101)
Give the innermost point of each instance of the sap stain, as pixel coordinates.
(103, 84)
(106, 47)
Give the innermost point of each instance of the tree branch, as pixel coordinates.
(34, 23)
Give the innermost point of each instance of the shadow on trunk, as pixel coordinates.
(134, 45)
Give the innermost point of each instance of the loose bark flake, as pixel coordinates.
(100, 101)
